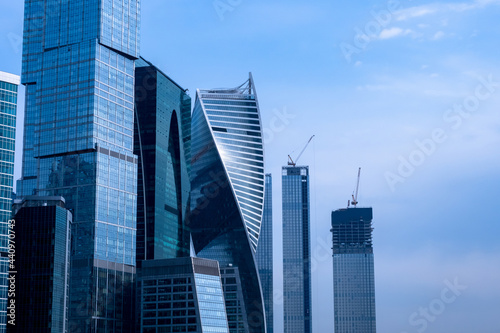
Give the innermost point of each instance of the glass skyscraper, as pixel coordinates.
(162, 142)
(264, 254)
(181, 295)
(233, 295)
(296, 250)
(78, 69)
(8, 106)
(227, 197)
(353, 271)
(42, 241)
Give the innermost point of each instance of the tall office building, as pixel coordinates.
(8, 106)
(227, 196)
(162, 142)
(353, 275)
(296, 250)
(264, 254)
(234, 300)
(180, 295)
(41, 265)
(78, 69)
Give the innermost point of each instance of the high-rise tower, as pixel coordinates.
(8, 105)
(78, 69)
(175, 292)
(227, 197)
(353, 271)
(40, 269)
(162, 143)
(296, 250)
(264, 254)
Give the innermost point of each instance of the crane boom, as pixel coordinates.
(355, 198)
(291, 162)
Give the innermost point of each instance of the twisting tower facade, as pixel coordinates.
(227, 179)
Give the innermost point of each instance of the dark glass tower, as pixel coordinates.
(78, 69)
(296, 250)
(264, 254)
(41, 230)
(8, 106)
(227, 194)
(353, 271)
(163, 143)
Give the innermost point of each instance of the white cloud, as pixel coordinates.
(393, 32)
(424, 10)
(408, 13)
(438, 35)
(390, 33)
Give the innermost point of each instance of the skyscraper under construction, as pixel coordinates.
(353, 270)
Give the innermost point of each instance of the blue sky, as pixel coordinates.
(412, 107)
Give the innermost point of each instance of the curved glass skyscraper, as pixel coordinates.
(227, 182)
(162, 141)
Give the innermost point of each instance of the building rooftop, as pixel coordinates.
(10, 78)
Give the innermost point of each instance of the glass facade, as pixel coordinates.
(353, 271)
(264, 254)
(8, 106)
(78, 69)
(41, 265)
(162, 141)
(296, 250)
(180, 295)
(211, 303)
(227, 180)
(235, 304)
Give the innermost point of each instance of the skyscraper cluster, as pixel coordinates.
(134, 213)
(353, 263)
(139, 215)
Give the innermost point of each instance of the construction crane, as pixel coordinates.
(291, 162)
(354, 201)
